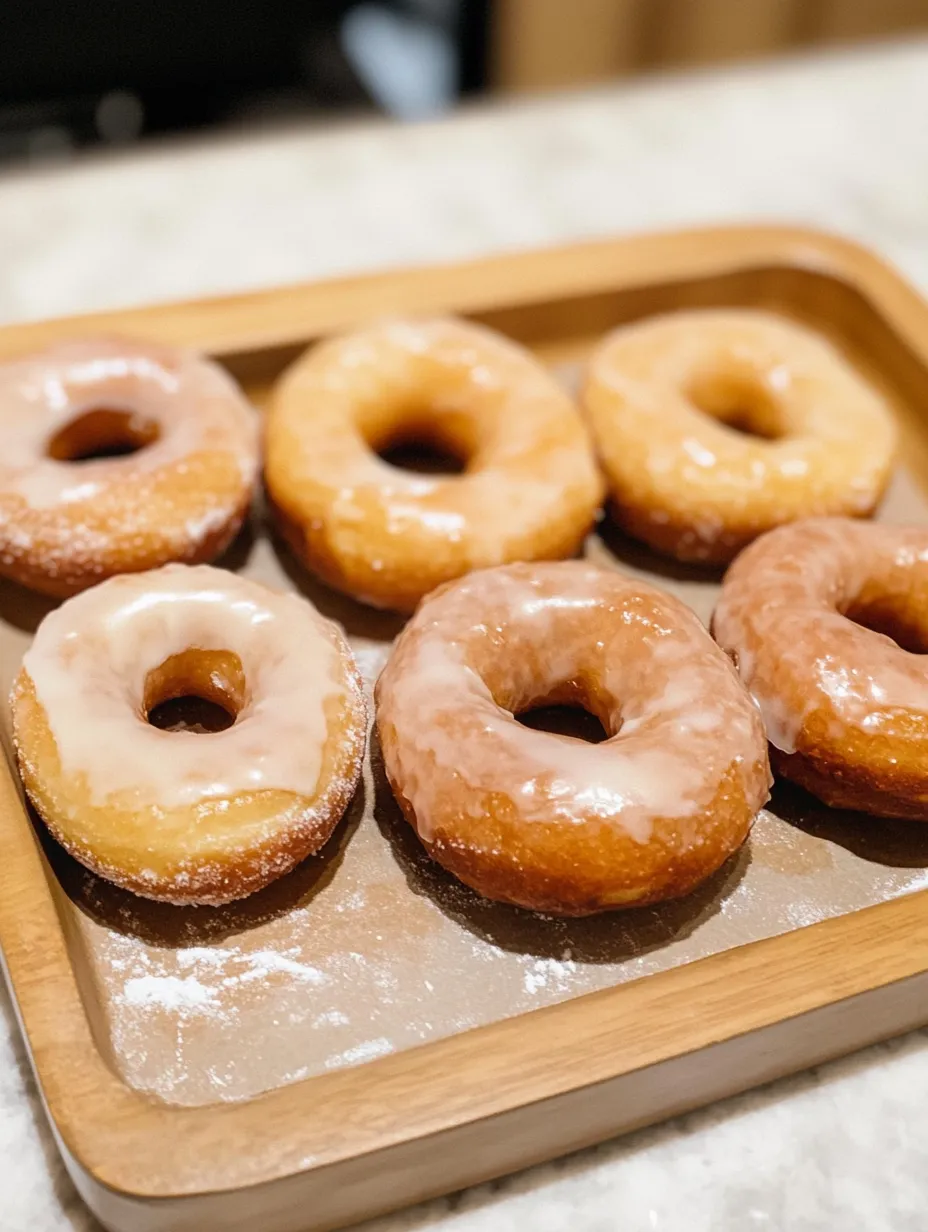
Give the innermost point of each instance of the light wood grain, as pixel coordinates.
(837, 20)
(347, 1144)
(709, 31)
(545, 44)
(548, 44)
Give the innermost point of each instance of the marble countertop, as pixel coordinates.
(838, 142)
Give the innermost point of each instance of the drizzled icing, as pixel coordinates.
(194, 404)
(89, 662)
(688, 483)
(183, 494)
(503, 640)
(781, 616)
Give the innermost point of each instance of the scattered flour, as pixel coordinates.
(534, 981)
(361, 1052)
(263, 962)
(550, 973)
(199, 954)
(168, 992)
(331, 1018)
(227, 968)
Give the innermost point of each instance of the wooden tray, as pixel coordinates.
(253, 1114)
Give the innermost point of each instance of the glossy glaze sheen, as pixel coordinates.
(845, 707)
(549, 821)
(658, 395)
(530, 488)
(65, 525)
(178, 815)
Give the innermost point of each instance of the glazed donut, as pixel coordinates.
(386, 536)
(66, 523)
(845, 706)
(547, 821)
(174, 815)
(666, 399)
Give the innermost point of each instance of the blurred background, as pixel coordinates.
(83, 74)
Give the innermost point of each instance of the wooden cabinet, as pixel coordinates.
(547, 44)
(544, 44)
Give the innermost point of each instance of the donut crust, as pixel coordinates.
(548, 822)
(716, 426)
(813, 615)
(530, 489)
(217, 847)
(66, 523)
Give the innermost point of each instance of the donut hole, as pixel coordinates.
(740, 402)
(197, 690)
(193, 714)
(575, 707)
(102, 432)
(563, 720)
(426, 439)
(881, 615)
(422, 456)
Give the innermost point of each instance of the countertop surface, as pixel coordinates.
(838, 142)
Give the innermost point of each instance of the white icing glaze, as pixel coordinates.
(91, 656)
(196, 406)
(780, 615)
(677, 719)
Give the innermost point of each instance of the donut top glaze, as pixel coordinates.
(191, 402)
(91, 657)
(796, 387)
(783, 616)
(450, 382)
(506, 639)
(716, 425)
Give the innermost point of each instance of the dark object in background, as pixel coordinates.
(87, 70)
(473, 23)
(79, 72)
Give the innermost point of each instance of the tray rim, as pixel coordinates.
(129, 1145)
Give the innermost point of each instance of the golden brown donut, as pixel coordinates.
(174, 815)
(547, 821)
(68, 521)
(670, 401)
(845, 706)
(530, 489)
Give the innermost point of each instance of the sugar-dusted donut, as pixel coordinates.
(548, 821)
(845, 706)
(174, 815)
(530, 489)
(189, 442)
(716, 426)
